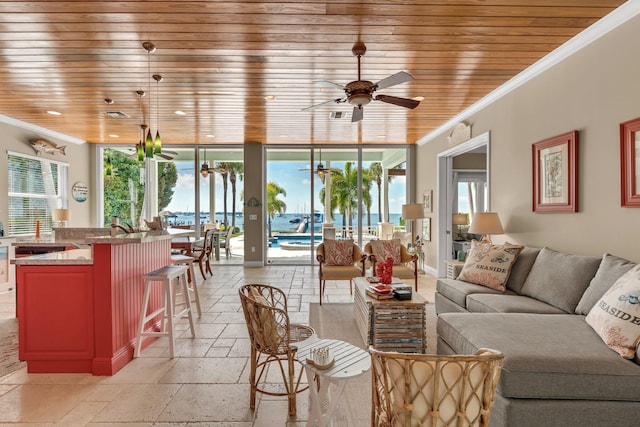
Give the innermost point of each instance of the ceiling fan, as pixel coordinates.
(205, 169)
(321, 170)
(361, 92)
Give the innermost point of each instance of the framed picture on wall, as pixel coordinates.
(426, 200)
(629, 163)
(555, 174)
(426, 229)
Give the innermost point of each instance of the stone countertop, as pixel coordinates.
(45, 241)
(142, 237)
(70, 257)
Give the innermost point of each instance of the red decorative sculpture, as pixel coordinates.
(384, 271)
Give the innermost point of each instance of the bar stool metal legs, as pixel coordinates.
(168, 277)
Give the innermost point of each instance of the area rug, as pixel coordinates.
(337, 321)
(9, 361)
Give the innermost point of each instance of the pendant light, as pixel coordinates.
(142, 145)
(157, 141)
(148, 143)
(108, 168)
(204, 169)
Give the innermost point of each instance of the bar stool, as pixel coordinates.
(193, 286)
(166, 275)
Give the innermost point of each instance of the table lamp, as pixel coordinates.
(60, 217)
(458, 220)
(486, 223)
(412, 212)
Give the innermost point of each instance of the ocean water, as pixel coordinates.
(288, 222)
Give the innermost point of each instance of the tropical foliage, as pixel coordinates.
(124, 188)
(275, 205)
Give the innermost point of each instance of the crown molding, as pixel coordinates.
(40, 130)
(590, 34)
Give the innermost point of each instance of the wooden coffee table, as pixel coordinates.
(391, 324)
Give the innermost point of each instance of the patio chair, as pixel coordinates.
(339, 260)
(271, 335)
(405, 265)
(433, 390)
(225, 243)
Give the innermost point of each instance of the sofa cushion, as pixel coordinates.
(521, 269)
(616, 316)
(559, 278)
(338, 252)
(489, 265)
(488, 303)
(610, 269)
(551, 356)
(457, 290)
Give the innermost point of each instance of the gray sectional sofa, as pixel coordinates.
(557, 371)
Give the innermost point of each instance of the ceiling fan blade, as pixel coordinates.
(402, 102)
(357, 114)
(394, 79)
(329, 84)
(331, 101)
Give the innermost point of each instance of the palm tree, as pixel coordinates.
(224, 174)
(235, 170)
(274, 204)
(344, 187)
(376, 172)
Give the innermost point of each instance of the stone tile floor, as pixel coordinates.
(206, 384)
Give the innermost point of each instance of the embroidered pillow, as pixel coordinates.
(338, 252)
(489, 265)
(616, 316)
(383, 249)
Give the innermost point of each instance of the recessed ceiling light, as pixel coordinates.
(382, 136)
(54, 113)
(210, 135)
(284, 135)
(113, 135)
(270, 98)
(180, 113)
(418, 98)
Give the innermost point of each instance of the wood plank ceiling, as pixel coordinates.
(220, 60)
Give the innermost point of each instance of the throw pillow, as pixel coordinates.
(383, 249)
(611, 269)
(270, 337)
(489, 265)
(616, 316)
(560, 279)
(338, 252)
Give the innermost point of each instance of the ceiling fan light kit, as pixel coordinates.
(361, 92)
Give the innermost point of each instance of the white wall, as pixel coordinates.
(592, 91)
(77, 156)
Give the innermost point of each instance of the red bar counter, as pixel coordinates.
(79, 309)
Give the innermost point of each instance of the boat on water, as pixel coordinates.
(296, 220)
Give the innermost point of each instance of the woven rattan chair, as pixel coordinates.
(433, 390)
(271, 335)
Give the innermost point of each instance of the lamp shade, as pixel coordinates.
(60, 215)
(460, 219)
(486, 223)
(413, 211)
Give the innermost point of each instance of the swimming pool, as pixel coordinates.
(294, 242)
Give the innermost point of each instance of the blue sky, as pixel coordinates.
(296, 182)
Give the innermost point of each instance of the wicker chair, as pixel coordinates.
(271, 335)
(339, 272)
(433, 390)
(406, 269)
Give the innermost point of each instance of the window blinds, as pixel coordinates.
(36, 187)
